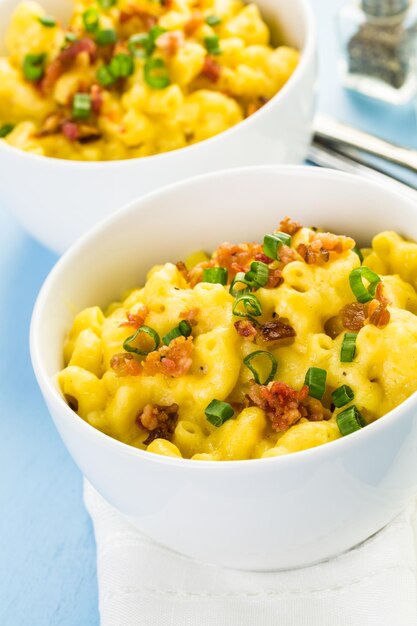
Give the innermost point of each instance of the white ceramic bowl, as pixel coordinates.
(260, 514)
(56, 201)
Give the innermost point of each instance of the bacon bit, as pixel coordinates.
(190, 316)
(246, 329)
(125, 364)
(263, 258)
(275, 279)
(236, 257)
(182, 268)
(136, 320)
(170, 42)
(285, 406)
(96, 99)
(173, 360)
(159, 420)
(70, 130)
(353, 316)
(311, 257)
(211, 69)
(331, 242)
(195, 274)
(278, 330)
(65, 58)
(196, 20)
(357, 315)
(287, 255)
(287, 225)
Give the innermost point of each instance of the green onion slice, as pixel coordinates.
(348, 350)
(272, 243)
(145, 330)
(106, 37)
(47, 21)
(156, 74)
(349, 420)
(218, 412)
(81, 106)
(262, 356)
(342, 396)
(315, 380)
(34, 66)
(362, 293)
(173, 334)
(185, 328)
(257, 275)
(140, 44)
(247, 305)
(107, 4)
(215, 275)
(121, 65)
(239, 285)
(212, 45)
(5, 130)
(358, 251)
(105, 77)
(70, 37)
(91, 20)
(213, 20)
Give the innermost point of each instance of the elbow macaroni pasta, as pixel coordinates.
(382, 373)
(215, 57)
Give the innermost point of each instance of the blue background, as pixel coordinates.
(47, 551)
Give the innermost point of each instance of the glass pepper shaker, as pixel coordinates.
(379, 52)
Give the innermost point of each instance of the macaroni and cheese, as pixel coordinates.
(133, 78)
(258, 350)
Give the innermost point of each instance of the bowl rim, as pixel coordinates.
(50, 389)
(307, 54)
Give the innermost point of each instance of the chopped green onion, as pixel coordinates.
(91, 20)
(213, 20)
(247, 305)
(34, 66)
(212, 45)
(258, 274)
(261, 354)
(81, 106)
(106, 37)
(156, 74)
(358, 251)
(139, 45)
(349, 420)
(146, 330)
(47, 21)
(272, 243)
(342, 396)
(363, 294)
(173, 334)
(239, 279)
(315, 380)
(5, 130)
(215, 275)
(218, 412)
(104, 76)
(185, 328)
(70, 37)
(121, 65)
(348, 350)
(107, 4)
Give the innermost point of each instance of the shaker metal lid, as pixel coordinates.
(385, 8)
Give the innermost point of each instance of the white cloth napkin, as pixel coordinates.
(144, 584)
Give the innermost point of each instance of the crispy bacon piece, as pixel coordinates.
(246, 329)
(96, 99)
(125, 364)
(170, 42)
(318, 250)
(196, 20)
(285, 406)
(236, 257)
(287, 225)
(211, 69)
(70, 130)
(190, 316)
(159, 420)
(173, 360)
(287, 255)
(136, 320)
(356, 315)
(195, 274)
(65, 59)
(312, 257)
(275, 279)
(261, 256)
(276, 331)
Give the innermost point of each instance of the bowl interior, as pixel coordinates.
(238, 205)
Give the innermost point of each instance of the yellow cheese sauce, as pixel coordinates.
(133, 78)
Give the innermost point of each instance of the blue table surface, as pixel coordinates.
(47, 550)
